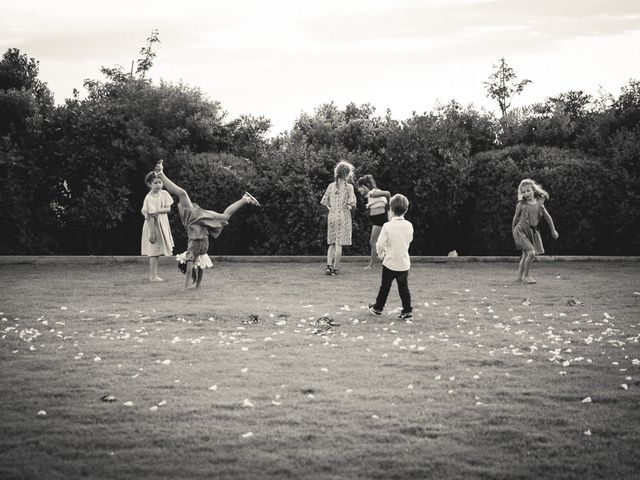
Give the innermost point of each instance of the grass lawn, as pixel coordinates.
(488, 381)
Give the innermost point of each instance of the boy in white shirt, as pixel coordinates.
(393, 247)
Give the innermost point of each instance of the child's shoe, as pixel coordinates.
(406, 316)
(374, 310)
(251, 199)
(328, 270)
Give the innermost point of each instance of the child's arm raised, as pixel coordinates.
(183, 197)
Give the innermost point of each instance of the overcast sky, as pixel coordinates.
(278, 58)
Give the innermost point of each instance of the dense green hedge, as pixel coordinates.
(72, 175)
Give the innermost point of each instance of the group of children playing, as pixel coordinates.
(391, 233)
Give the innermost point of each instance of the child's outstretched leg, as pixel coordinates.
(528, 260)
(172, 188)
(247, 199)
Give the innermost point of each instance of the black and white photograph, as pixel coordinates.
(341, 239)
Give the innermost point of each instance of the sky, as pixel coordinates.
(280, 58)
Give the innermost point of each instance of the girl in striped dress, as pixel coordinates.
(340, 200)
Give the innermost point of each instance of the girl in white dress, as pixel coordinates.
(156, 233)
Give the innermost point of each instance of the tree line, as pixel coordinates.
(72, 174)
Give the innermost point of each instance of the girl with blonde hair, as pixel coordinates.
(340, 200)
(530, 210)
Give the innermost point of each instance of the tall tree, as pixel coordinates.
(503, 85)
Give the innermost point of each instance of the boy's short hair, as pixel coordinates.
(399, 204)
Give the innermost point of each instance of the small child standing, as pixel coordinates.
(530, 210)
(199, 224)
(377, 203)
(156, 233)
(393, 247)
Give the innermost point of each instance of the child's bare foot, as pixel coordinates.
(251, 199)
(156, 279)
(369, 267)
(528, 280)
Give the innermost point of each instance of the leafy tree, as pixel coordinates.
(503, 85)
(28, 218)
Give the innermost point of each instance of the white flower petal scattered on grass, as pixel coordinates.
(213, 387)
(324, 369)
(153, 409)
(375, 417)
(625, 386)
(97, 359)
(162, 403)
(244, 370)
(166, 362)
(586, 400)
(128, 404)
(246, 403)
(42, 413)
(247, 435)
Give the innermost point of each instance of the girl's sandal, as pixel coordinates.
(251, 199)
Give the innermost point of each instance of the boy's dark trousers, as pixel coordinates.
(402, 278)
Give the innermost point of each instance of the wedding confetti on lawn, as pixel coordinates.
(278, 371)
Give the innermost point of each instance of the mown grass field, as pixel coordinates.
(488, 381)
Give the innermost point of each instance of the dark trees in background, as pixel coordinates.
(72, 175)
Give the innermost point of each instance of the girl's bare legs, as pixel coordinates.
(247, 199)
(521, 267)
(375, 233)
(337, 257)
(235, 206)
(153, 270)
(199, 277)
(187, 275)
(528, 260)
(331, 251)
